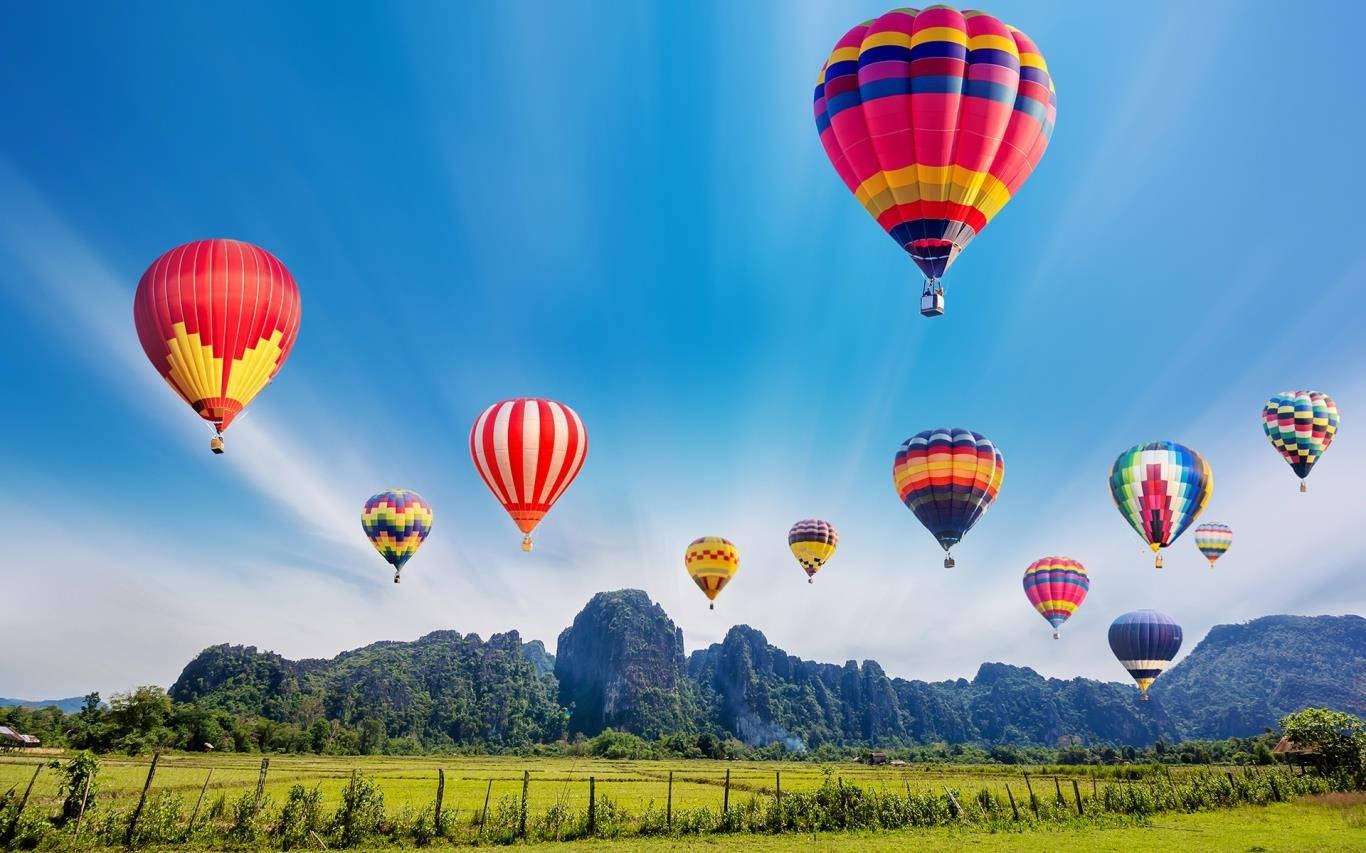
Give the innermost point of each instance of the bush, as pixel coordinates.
(301, 816)
(361, 813)
(82, 767)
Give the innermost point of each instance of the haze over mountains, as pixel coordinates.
(621, 664)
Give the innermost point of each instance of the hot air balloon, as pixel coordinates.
(1056, 586)
(948, 478)
(528, 450)
(1145, 641)
(1160, 488)
(812, 542)
(934, 119)
(217, 319)
(397, 522)
(1213, 540)
(1301, 425)
(711, 562)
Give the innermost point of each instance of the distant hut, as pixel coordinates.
(11, 739)
(873, 758)
(1289, 751)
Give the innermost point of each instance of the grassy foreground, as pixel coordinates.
(1331, 822)
(845, 806)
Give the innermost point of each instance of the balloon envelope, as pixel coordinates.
(1056, 586)
(397, 522)
(812, 542)
(1213, 539)
(1145, 642)
(1301, 425)
(528, 450)
(217, 319)
(934, 119)
(711, 561)
(948, 477)
(1160, 488)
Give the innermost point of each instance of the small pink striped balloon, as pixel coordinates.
(1056, 586)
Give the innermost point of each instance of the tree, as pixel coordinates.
(1338, 738)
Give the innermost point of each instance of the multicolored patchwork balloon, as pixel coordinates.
(528, 451)
(711, 562)
(948, 477)
(1160, 488)
(1213, 539)
(1301, 425)
(1145, 642)
(934, 119)
(812, 542)
(1056, 586)
(217, 319)
(397, 522)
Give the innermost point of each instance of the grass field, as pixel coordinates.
(411, 781)
(1325, 823)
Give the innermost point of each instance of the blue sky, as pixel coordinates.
(628, 210)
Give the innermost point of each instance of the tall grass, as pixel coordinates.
(360, 819)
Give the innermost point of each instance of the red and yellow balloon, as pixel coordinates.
(217, 319)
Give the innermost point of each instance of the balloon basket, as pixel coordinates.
(711, 606)
(526, 544)
(216, 444)
(1057, 636)
(810, 580)
(395, 577)
(932, 299)
(1143, 697)
(949, 563)
(1304, 487)
(1157, 564)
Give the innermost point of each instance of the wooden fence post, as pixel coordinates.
(1058, 785)
(85, 795)
(485, 813)
(725, 800)
(1232, 789)
(954, 809)
(592, 805)
(440, 795)
(1015, 811)
(669, 809)
(23, 802)
(137, 812)
(1033, 802)
(189, 828)
(778, 781)
(521, 823)
(260, 787)
(1076, 792)
(1094, 793)
(350, 795)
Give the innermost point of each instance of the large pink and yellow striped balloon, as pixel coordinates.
(528, 451)
(1056, 586)
(934, 119)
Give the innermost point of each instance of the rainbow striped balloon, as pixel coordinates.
(1213, 540)
(812, 542)
(948, 477)
(934, 119)
(1160, 488)
(1056, 586)
(1301, 425)
(397, 522)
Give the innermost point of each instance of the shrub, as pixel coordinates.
(360, 814)
(301, 815)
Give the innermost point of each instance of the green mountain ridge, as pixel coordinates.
(621, 664)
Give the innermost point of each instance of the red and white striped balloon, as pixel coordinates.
(528, 450)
